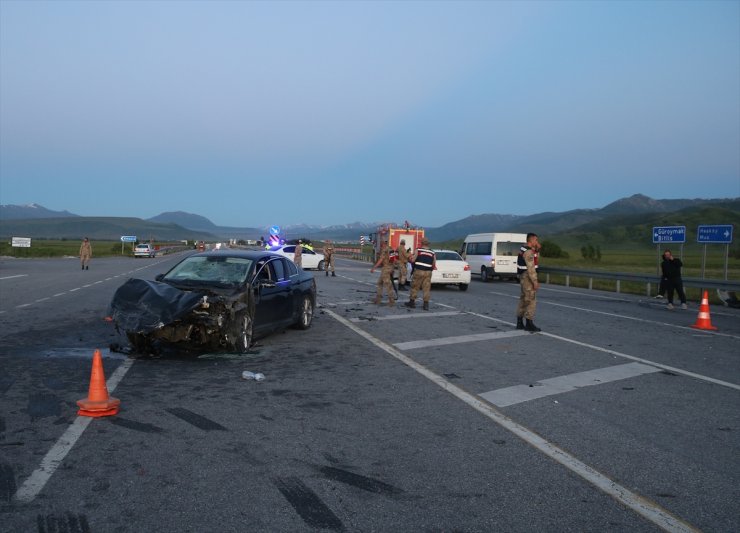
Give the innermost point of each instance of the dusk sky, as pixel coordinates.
(261, 113)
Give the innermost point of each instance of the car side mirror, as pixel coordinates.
(159, 277)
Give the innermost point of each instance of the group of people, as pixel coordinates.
(423, 261)
(328, 252)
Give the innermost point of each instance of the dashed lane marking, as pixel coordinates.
(408, 315)
(626, 317)
(53, 459)
(639, 504)
(620, 354)
(570, 382)
(15, 276)
(475, 337)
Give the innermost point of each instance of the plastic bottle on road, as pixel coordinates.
(251, 375)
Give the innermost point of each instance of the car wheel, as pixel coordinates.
(306, 313)
(243, 333)
(484, 275)
(463, 286)
(321, 265)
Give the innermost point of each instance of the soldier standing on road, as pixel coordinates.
(424, 262)
(85, 254)
(298, 254)
(386, 271)
(403, 259)
(329, 258)
(527, 272)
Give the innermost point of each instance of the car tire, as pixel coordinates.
(243, 333)
(463, 286)
(305, 313)
(321, 265)
(484, 275)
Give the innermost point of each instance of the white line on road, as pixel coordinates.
(620, 354)
(408, 315)
(644, 507)
(443, 341)
(626, 317)
(38, 479)
(59, 294)
(22, 305)
(75, 289)
(15, 276)
(43, 299)
(570, 382)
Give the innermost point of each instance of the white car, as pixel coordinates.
(144, 250)
(309, 258)
(451, 269)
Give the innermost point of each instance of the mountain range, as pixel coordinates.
(635, 211)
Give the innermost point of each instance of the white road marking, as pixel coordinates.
(644, 507)
(626, 317)
(38, 479)
(75, 289)
(599, 296)
(15, 276)
(59, 294)
(22, 305)
(620, 354)
(407, 315)
(548, 387)
(43, 299)
(443, 341)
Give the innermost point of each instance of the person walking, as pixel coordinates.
(671, 267)
(329, 258)
(403, 261)
(298, 254)
(386, 271)
(527, 272)
(85, 254)
(424, 262)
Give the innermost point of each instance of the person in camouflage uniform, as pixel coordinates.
(386, 271)
(85, 254)
(403, 259)
(298, 254)
(329, 258)
(424, 261)
(527, 271)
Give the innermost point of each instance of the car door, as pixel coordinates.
(266, 296)
(283, 294)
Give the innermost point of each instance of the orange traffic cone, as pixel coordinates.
(98, 403)
(703, 321)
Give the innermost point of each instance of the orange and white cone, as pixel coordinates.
(98, 403)
(703, 321)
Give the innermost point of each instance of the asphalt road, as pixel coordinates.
(617, 417)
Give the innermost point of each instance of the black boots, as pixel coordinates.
(426, 306)
(531, 327)
(410, 304)
(519, 322)
(327, 272)
(333, 274)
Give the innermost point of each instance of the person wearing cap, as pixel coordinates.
(85, 254)
(385, 281)
(526, 264)
(671, 268)
(329, 258)
(298, 254)
(424, 262)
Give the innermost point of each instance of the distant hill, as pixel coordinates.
(626, 219)
(98, 228)
(18, 212)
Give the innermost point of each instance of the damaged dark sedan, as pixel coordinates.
(218, 300)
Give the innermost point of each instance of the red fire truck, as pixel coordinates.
(392, 233)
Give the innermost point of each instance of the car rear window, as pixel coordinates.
(448, 256)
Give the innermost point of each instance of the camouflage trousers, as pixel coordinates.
(422, 279)
(527, 299)
(401, 274)
(329, 263)
(384, 282)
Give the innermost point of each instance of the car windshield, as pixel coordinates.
(216, 270)
(447, 256)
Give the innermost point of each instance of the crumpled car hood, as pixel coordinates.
(143, 306)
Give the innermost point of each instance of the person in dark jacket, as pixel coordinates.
(671, 267)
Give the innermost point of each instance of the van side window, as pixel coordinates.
(478, 248)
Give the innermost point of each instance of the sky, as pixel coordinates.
(254, 114)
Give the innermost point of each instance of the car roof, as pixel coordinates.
(449, 251)
(254, 255)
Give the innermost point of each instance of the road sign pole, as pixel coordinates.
(727, 259)
(703, 261)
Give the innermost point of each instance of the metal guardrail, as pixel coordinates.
(648, 279)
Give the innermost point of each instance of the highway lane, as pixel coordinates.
(343, 434)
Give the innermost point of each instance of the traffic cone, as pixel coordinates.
(703, 321)
(98, 403)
